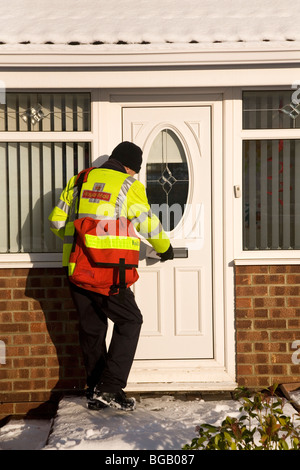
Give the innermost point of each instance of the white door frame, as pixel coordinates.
(208, 374)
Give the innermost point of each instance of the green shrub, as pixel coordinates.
(262, 425)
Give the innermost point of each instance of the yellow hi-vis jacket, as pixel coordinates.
(108, 194)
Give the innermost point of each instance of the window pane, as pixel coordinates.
(167, 178)
(271, 194)
(270, 110)
(46, 112)
(32, 176)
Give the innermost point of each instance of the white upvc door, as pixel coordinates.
(187, 338)
(175, 297)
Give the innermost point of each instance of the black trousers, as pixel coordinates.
(108, 369)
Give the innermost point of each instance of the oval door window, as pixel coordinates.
(167, 178)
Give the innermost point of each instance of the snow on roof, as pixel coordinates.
(147, 21)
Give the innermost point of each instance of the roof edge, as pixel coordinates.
(108, 55)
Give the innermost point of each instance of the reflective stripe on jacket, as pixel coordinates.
(107, 194)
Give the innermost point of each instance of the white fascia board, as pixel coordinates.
(131, 55)
(120, 78)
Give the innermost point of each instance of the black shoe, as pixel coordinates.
(95, 405)
(92, 403)
(115, 400)
(89, 393)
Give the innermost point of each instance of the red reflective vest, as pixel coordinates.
(105, 254)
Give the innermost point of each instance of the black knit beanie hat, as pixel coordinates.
(129, 155)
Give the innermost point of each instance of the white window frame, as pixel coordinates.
(259, 257)
(30, 260)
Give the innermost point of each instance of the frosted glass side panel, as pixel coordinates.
(32, 177)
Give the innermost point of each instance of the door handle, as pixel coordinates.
(181, 252)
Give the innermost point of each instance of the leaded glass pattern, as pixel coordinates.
(167, 178)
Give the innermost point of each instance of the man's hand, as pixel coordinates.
(169, 254)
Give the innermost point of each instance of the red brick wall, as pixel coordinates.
(267, 324)
(38, 325)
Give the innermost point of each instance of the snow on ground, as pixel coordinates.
(156, 424)
(24, 434)
(161, 423)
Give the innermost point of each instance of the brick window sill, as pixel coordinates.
(30, 260)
